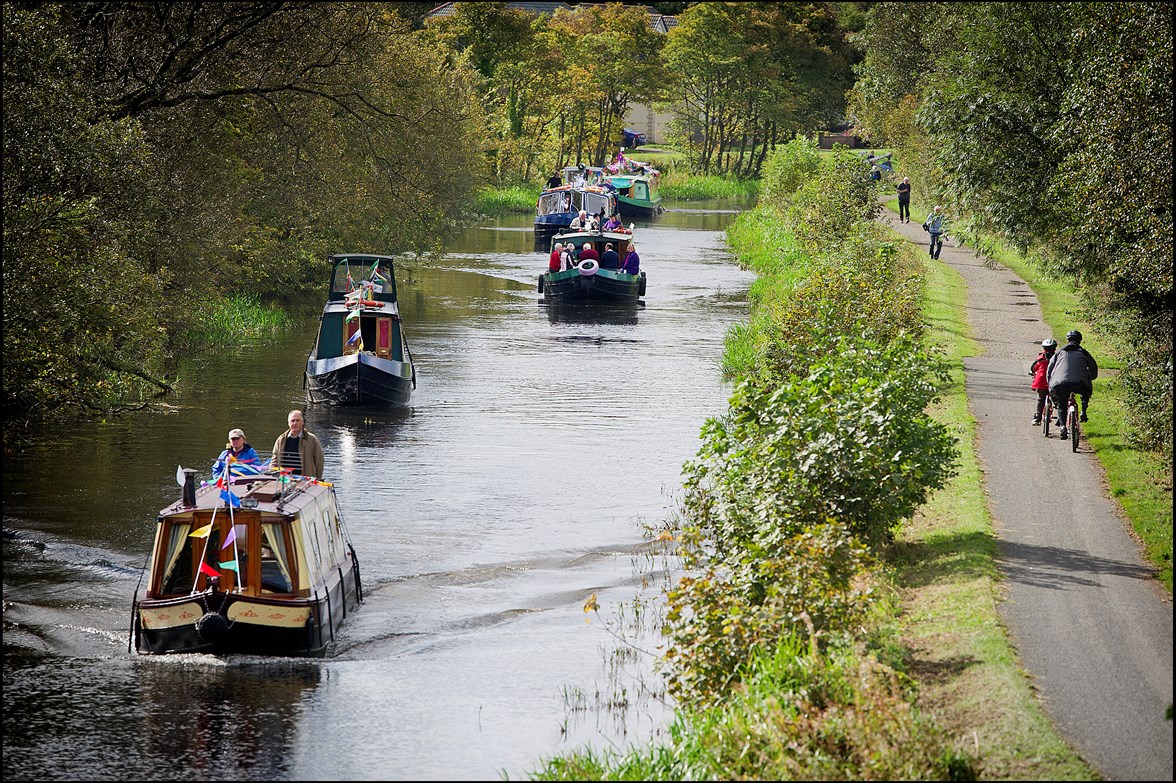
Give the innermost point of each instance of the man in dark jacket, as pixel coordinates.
(1071, 371)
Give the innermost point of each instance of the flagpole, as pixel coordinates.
(232, 523)
(204, 551)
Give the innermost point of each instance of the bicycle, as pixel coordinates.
(1072, 420)
(1047, 414)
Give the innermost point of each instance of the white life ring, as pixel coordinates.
(588, 267)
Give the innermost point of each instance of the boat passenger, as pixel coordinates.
(298, 449)
(613, 223)
(580, 222)
(555, 180)
(587, 252)
(567, 259)
(553, 261)
(632, 263)
(609, 258)
(241, 452)
(595, 220)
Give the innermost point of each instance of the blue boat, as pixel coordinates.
(584, 188)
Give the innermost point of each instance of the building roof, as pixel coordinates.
(536, 8)
(659, 22)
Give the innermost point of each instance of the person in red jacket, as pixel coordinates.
(1038, 371)
(553, 261)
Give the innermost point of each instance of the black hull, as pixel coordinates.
(569, 287)
(358, 379)
(223, 636)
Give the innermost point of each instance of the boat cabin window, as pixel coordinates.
(554, 203)
(276, 575)
(594, 203)
(348, 274)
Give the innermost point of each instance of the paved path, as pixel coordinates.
(1090, 625)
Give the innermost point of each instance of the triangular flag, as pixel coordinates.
(180, 475)
(208, 570)
(352, 315)
(230, 564)
(202, 532)
(231, 537)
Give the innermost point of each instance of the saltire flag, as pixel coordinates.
(202, 532)
(230, 538)
(356, 339)
(230, 564)
(230, 498)
(208, 570)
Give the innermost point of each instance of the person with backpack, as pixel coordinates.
(1071, 371)
(936, 226)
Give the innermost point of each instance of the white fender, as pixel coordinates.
(588, 267)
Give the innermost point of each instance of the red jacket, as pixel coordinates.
(1038, 369)
(553, 261)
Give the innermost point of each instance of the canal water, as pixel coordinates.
(541, 454)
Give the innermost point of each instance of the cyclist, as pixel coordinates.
(1071, 371)
(1038, 370)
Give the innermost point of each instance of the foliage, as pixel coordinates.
(828, 206)
(849, 440)
(788, 168)
(703, 187)
(817, 584)
(841, 716)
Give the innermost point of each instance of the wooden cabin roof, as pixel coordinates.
(271, 495)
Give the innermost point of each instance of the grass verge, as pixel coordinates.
(239, 318)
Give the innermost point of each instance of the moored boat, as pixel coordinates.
(259, 563)
(582, 189)
(361, 355)
(587, 281)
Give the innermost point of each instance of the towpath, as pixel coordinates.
(1091, 626)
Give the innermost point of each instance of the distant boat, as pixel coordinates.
(637, 186)
(582, 189)
(361, 356)
(587, 282)
(259, 564)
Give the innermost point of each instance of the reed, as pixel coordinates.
(240, 318)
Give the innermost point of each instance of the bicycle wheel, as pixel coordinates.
(1072, 421)
(1046, 418)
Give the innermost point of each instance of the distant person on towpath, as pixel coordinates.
(936, 226)
(904, 200)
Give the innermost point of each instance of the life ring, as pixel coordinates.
(588, 267)
(366, 303)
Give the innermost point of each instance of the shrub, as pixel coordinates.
(788, 168)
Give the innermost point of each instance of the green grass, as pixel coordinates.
(506, 199)
(699, 187)
(238, 319)
(946, 560)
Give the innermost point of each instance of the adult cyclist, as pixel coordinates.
(1071, 371)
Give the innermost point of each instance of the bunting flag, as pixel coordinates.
(230, 538)
(180, 475)
(202, 532)
(352, 315)
(221, 481)
(230, 498)
(356, 339)
(232, 564)
(374, 270)
(208, 570)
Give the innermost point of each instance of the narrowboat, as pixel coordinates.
(254, 564)
(361, 354)
(636, 184)
(587, 282)
(584, 188)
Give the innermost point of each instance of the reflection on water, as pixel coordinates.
(538, 444)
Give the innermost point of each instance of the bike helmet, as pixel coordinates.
(1074, 336)
(1049, 344)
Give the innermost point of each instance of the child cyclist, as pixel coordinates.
(1038, 371)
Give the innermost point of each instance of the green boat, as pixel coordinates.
(636, 185)
(587, 282)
